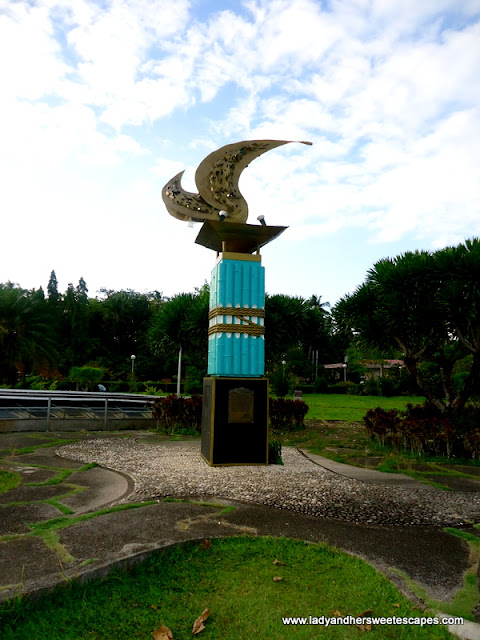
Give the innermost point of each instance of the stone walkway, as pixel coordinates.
(176, 469)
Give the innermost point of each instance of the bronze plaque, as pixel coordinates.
(240, 405)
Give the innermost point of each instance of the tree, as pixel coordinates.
(294, 329)
(52, 288)
(181, 325)
(411, 303)
(86, 376)
(285, 323)
(76, 321)
(27, 338)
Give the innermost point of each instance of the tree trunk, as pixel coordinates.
(179, 371)
(470, 385)
(411, 365)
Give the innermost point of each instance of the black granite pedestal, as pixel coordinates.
(235, 421)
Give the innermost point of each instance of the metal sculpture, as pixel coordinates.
(235, 393)
(217, 183)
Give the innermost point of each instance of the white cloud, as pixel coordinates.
(31, 65)
(104, 102)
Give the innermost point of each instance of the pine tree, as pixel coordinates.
(52, 288)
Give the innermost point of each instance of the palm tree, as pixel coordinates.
(27, 338)
(181, 324)
(408, 303)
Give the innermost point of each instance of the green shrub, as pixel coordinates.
(194, 380)
(424, 429)
(343, 387)
(320, 385)
(287, 414)
(86, 377)
(65, 385)
(173, 413)
(275, 452)
(280, 382)
(152, 390)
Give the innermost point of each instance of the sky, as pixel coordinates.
(102, 102)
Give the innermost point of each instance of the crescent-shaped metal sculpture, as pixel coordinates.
(217, 183)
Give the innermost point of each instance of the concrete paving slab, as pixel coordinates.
(103, 487)
(31, 559)
(118, 534)
(19, 441)
(47, 458)
(457, 484)
(32, 474)
(365, 475)
(15, 519)
(32, 494)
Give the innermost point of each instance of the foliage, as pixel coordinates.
(181, 327)
(173, 412)
(281, 382)
(287, 414)
(52, 288)
(320, 385)
(427, 305)
(275, 452)
(425, 429)
(27, 340)
(295, 328)
(86, 377)
(194, 379)
(379, 386)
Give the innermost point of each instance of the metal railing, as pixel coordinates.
(73, 405)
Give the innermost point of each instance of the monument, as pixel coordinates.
(235, 391)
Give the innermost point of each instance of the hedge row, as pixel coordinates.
(172, 413)
(114, 386)
(287, 414)
(425, 430)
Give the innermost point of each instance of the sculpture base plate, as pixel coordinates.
(235, 421)
(236, 237)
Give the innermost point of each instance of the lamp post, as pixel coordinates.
(133, 362)
(345, 372)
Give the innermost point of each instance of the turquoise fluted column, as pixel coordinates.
(236, 344)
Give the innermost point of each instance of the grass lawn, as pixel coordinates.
(234, 579)
(344, 407)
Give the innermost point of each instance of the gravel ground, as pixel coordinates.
(176, 469)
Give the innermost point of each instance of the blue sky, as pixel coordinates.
(103, 102)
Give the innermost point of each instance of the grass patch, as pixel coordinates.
(465, 535)
(62, 522)
(55, 524)
(9, 480)
(86, 467)
(467, 597)
(60, 477)
(232, 577)
(334, 406)
(85, 563)
(224, 510)
(462, 604)
(33, 448)
(61, 507)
